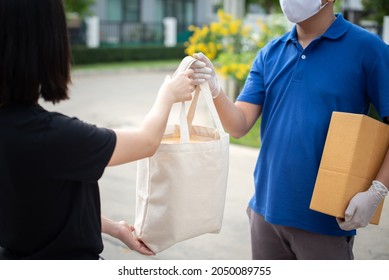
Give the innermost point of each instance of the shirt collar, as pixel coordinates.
(336, 30)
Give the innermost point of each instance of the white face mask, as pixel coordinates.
(299, 10)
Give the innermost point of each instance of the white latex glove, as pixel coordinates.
(362, 207)
(206, 72)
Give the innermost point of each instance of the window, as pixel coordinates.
(182, 10)
(114, 10)
(123, 10)
(131, 10)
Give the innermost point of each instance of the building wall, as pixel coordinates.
(149, 29)
(204, 11)
(99, 8)
(150, 10)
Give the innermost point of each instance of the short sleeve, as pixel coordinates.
(254, 88)
(75, 150)
(378, 82)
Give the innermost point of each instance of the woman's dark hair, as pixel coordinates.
(34, 51)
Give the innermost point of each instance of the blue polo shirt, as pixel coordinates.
(344, 70)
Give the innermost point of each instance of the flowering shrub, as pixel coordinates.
(224, 35)
(231, 44)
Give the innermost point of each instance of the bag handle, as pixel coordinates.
(206, 92)
(186, 120)
(184, 128)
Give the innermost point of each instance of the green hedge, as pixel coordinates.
(83, 55)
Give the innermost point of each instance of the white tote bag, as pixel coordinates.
(181, 190)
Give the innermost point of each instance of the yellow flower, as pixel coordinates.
(215, 27)
(224, 70)
(223, 17)
(230, 43)
(224, 31)
(204, 31)
(192, 28)
(233, 67)
(227, 17)
(220, 14)
(246, 31)
(190, 50)
(212, 50)
(202, 48)
(263, 27)
(234, 27)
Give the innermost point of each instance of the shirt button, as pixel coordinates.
(303, 56)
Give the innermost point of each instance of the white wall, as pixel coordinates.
(353, 5)
(148, 10)
(204, 13)
(385, 31)
(99, 9)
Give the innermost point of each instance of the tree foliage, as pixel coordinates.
(81, 7)
(267, 5)
(376, 9)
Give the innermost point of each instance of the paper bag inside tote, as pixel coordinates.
(181, 190)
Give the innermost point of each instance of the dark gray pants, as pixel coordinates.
(273, 242)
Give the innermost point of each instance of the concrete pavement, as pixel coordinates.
(122, 98)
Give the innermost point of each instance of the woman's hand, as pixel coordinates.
(179, 88)
(124, 232)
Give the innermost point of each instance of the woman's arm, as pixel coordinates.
(143, 141)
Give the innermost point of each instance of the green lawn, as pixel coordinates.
(251, 139)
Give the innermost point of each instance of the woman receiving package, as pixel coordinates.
(50, 163)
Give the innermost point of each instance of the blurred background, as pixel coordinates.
(135, 22)
(230, 32)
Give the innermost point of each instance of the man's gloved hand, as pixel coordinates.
(362, 207)
(206, 72)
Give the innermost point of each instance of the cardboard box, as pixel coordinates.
(355, 148)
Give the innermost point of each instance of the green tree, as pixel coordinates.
(376, 10)
(80, 7)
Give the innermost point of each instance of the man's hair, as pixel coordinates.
(34, 51)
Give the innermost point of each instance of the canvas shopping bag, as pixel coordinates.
(180, 192)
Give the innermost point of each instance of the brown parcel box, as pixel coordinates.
(353, 153)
